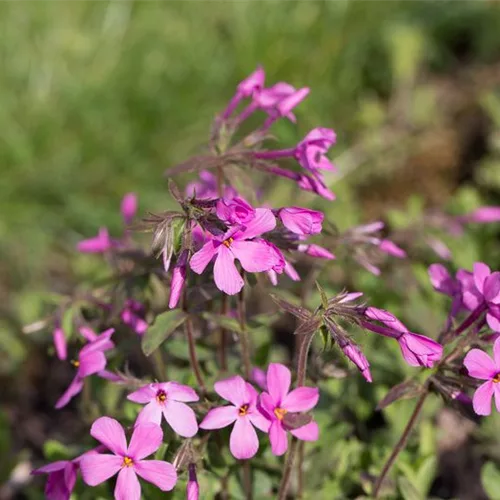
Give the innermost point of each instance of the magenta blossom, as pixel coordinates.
(482, 215)
(311, 151)
(243, 412)
(488, 286)
(129, 207)
(315, 251)
(98, 244)
(417, 350)
(60, 343)
(167, 399)
(353, 352)
(127, 461)
(249, 87)
(178, 279)
(254, 256)
(301, 220)
(390, 248)
(482, 367)
(278, 402)
(193, 488)
(205, 187)
(234, 211)
(316, 185)
(269, 99)
(91, 360)
(133, 315)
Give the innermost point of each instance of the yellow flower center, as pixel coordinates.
(280, 413)
(127, 462)
(76, 364)
(228, 242)
(496, 378)
(243, 410)
(161, 397)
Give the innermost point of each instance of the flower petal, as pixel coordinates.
(496, 353)
(145, 440)
(493, 320)
(143, 395)
(217, 418)
(479, 365)
(263, 222)
(481, 271)
(53, 467)
(110, 433)
(226, 276)
(259, 420)
(267, 405)
(243, 441)
(301, 399)
(161, 474)
(179, 392)
(481, 400)
(308, 432)
(60, 343)
(151, 414)
(255, 256)
(73, 389)
(491, 287)
(233, 389)
(181, 418)
(127, 485)
(278, 382)
(90, 363)
(200, 260)
(496, 392)
(96, 468)
(278, 438)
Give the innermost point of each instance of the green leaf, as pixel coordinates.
(54, 450)
(490, 479)
(164, 325)
(426, 474)
(408, 490)
(230, 324)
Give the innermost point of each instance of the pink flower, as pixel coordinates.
(129, 207)
(252, 83)
(234, 211)
(311, 151)
(205, 187)
(278, 402)
(316, 251)
(243, 411)
(60, 342)
(301, 220)
(254, 256)
(127, 461)
(167, 399)
(353, 352)
(483, 215)
(178, 279)
(390, 248)
(91, 360)
(61, 480)
(268, 99)
(488, 285)
(193, 488)
(316, 185)
(482, 367)
(133, 316)
(99, 244)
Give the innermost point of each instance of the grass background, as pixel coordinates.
(99, 98)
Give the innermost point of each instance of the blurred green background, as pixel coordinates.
(99, 98)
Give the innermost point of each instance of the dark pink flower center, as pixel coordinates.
(127, 462)
(243, 410)
(227, 243)
(496, 378)
(161, 396)
(280, 413)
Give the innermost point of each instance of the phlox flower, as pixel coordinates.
(315, 251)
(242, 411)
(301, 221)
(60, 343)
(390, 248)
(193, 488)
(278, 402)
(127, 461)
(167, 399)
(90, 360)
(254, 256)
(178, 279)
(133, 315)
(488, 287)
(234, 211)
(129, 207)
(98, 244)
(205, 187)
(481, 366)
(311, 151)
(482, 215)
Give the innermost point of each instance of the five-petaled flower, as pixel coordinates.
(243, 411)
(127, 461)
(278, 402)
(168, 399)
(481, 366)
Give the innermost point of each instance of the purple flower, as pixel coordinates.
(249, 87)
(390, 248)
(301, 220)
(316, 251)
(91, 360)
(60, 343)
(243, 412)
(278, 402)
(488, 285)
(254, 256)
(61, 480)
(99, 244)
(311, 151)
(133, 315)
(167, 399)
(481, 366)
(268, 99)
(417, 350)
(127, 461)
(353, 352)
(193, 488)
(129, 207)
(234, 211)
(178, 279)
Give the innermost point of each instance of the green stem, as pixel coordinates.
(244, 341)
(223, 336)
